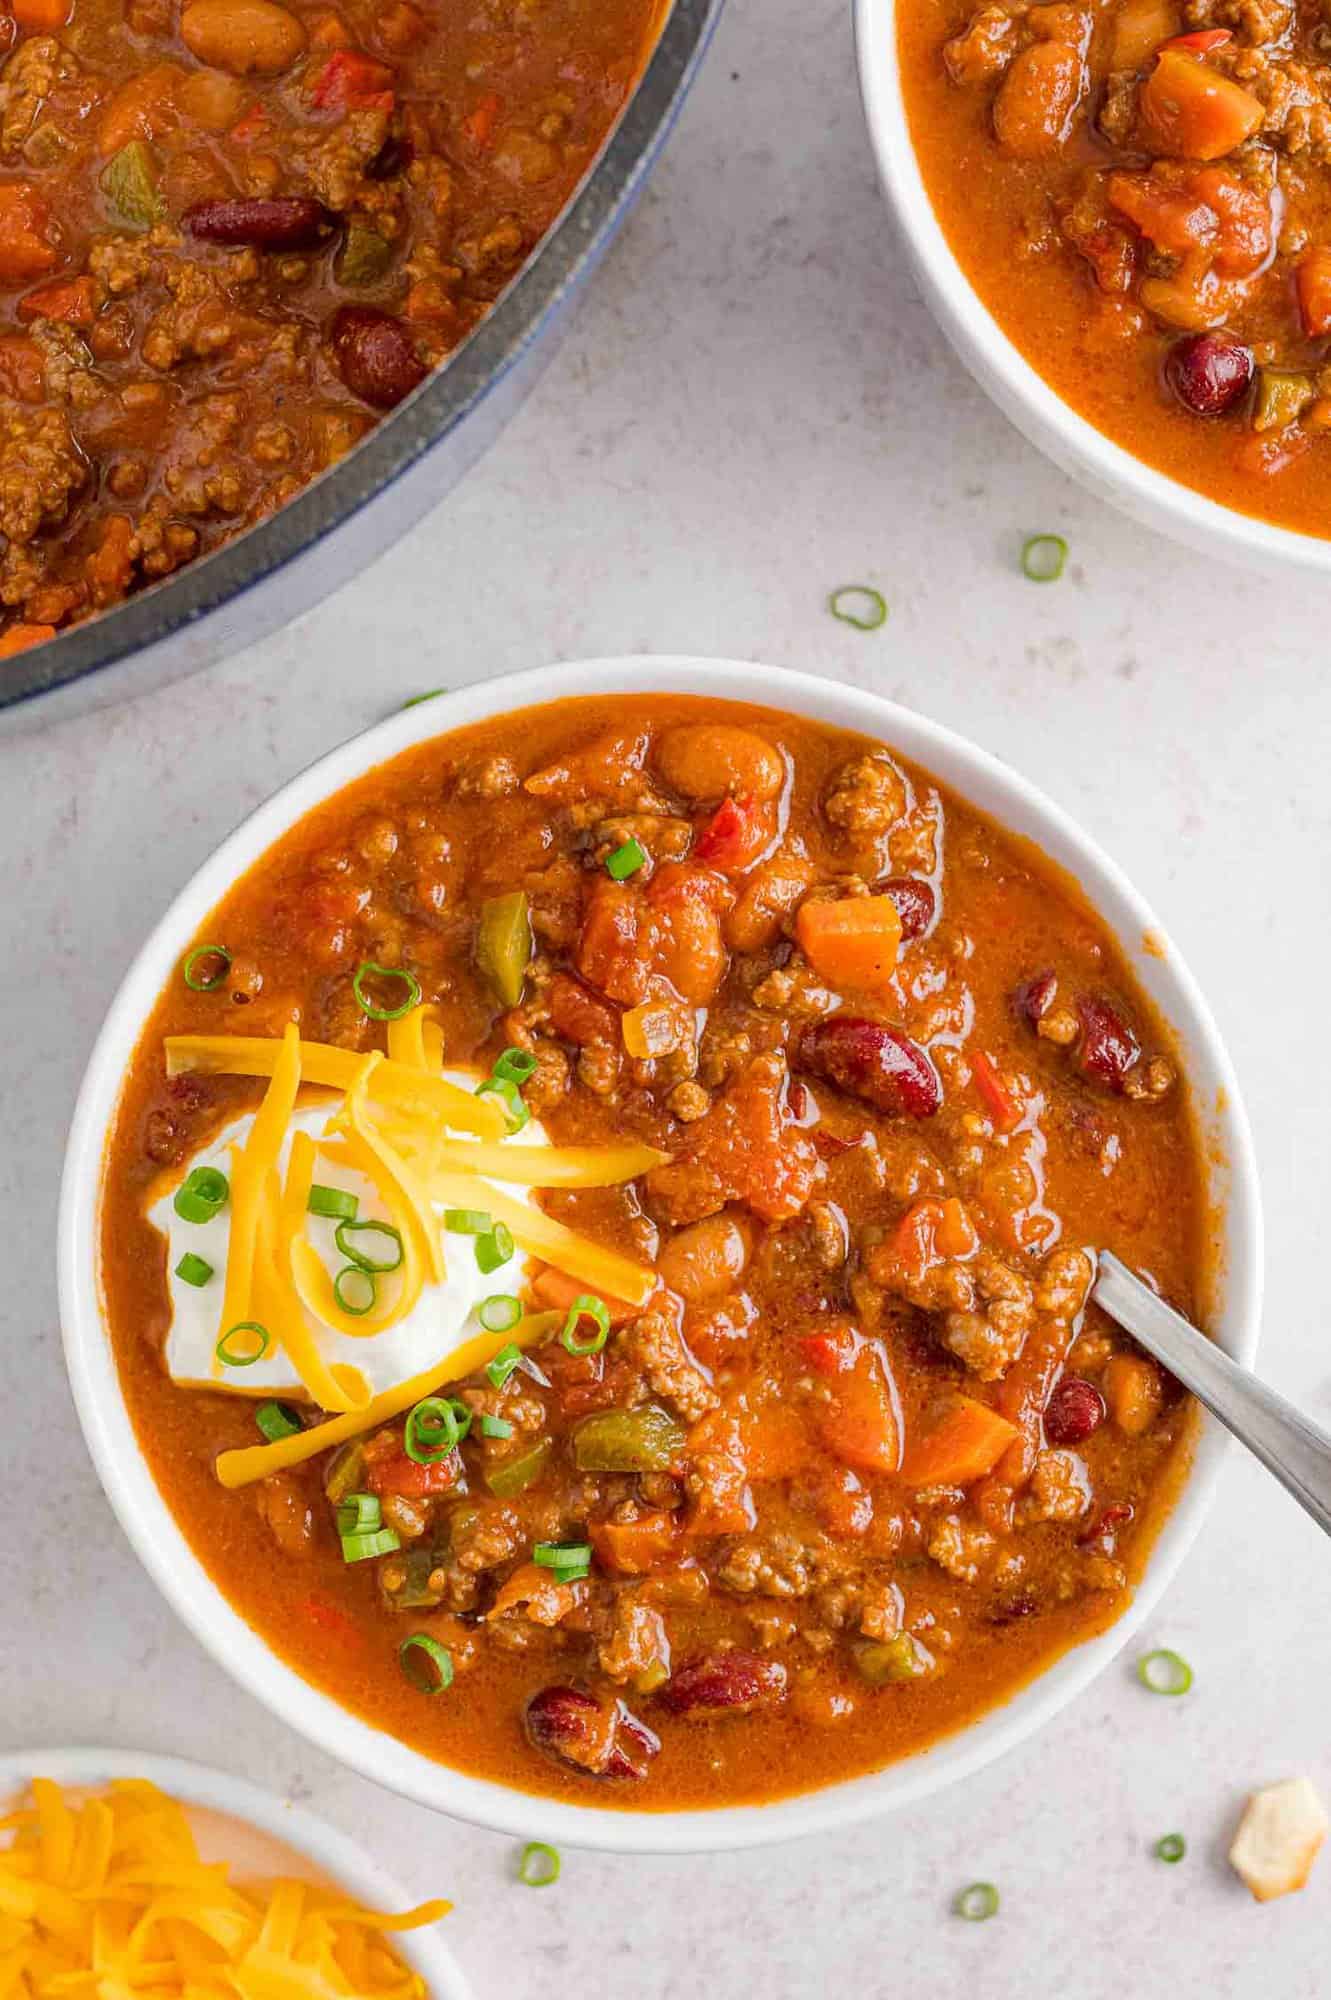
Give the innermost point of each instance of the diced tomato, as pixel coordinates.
(931, 1232)
(689, 949)
(70, 300)
(722, 1504)
(1313, 283)
(22, 370)
(1173, 218)
(840, 1500)
(734, 836)
(998, 1100)
(1201, 43)
(396, 1473)
(26, 249)
(633, 1548)
(19, 637)
(860, 1424)
(1245, 235)
(1194, 112)
(579, 1017)
(832, 1350)
(617, 946)
(350, 81)
(481, 122)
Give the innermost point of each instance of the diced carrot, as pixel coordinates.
(70, 300)
(633, 1548)
(480, 124)
(999, 1101)
(22, 369)
(1139, 28)
(735, 835)
(931, 1232)
(859, 1424)
(1200, 43)
(26, 251)
(351, 81)
(775, 1441)
(963, 1446)
(1194, 112)
(1172, 218)
(1313, 283)
(41, 17)
(852, 942)
(19, 637)
(554, 1291)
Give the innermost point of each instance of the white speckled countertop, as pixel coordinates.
(753, 408)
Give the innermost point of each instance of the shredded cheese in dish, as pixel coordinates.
(107, 1898)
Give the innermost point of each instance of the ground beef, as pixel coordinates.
(657, 1345)
(960, 1547)
(631, 1641)
(868, 795)
(990, 1335)
(1059, 1490)
(985, 46)
(41, 469)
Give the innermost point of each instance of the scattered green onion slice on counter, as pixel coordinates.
(433, 1672)
(499, 1314)
(1043, 558)
(201, 1194)
(1171, 1847)
(468, 1221)
(355, 1290)
(625, 861)
(338, 1204)
(501, 1366)
(570, 1561)
(1164, 1672)
(434, 1428)
(194, 1270)
(359, 1514)
(977, 1903)
(216, 951)
(232, 1355)
(585, 1307)
(368, 967)
(514, 1065)
(360, 1548)
(540, 1865)
(504, 1088)
(860, 605)
(415, 700)
(277, 1421)
(362, 1254)
(495, 1427)
(494, 1249)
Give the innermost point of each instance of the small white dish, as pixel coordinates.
(147, 1520)
(1113, 474)
(257, 1833)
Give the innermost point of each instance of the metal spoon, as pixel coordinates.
(1289, 1445)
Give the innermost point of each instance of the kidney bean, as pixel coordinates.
(916, 903)
(1102, 1534)
(1075, 1409)
(1208, 373)
(878, 1064)
(724, 1683)
(572, 1726)
(278, 222)
(375, 355)
(1035, 996)
(1108, 1047)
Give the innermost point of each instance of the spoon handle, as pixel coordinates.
(1295, 1450)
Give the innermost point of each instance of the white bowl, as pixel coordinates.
(258, 1834)
(1150, 497)
(148, 1521)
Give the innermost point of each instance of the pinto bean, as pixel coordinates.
(724, 1683)
(915, 901)
(1108, 1047)
(716, 760)
(375, 355)
(276, 222)
(706, 1260)
(875, 1063)
(766, 900)
(243, 37)
(573, 1727)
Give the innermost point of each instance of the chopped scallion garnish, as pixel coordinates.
(625, 861)
(1171, 1847)
(337, 1203)
(434, 1428)
(860, 605)
(222, 958)
(499, 1313)
(277, 1421)
(1043, 558)
(467, 1221)
(585, 1307)
(494, 1249)
(977, 1902)
(1164, 1672)
(355, 1290)
(362, 1252)
(540, 1865)
(359, 1514)
(502, 1365)
(570, 1561)
(432, 1672)
(415, 700)
(495, 1427)
(360, 1548)
(504, 1088)
(201, 1194)
(243, 1344)
(514, 1065)
(410, 983)
(192, 1270)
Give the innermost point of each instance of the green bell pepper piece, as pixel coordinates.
(1282, 397)
(514, 1474)
(363, 257)
(129, 182)
(504, 944)
(645, 1440)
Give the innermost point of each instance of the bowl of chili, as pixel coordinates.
(1167, 358)
(843, 1195)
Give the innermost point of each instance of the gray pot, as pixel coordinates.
(357, 509)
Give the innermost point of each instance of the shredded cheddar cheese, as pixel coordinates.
(414, 1091)
(107, 1898)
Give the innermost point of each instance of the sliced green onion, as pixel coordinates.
(1171, 1847)
(1043, 557)
(860, 605)
(434, 1428)
(429, 695)
(201, 1194)
(495, 1427)
(233, 1356)
(1164, 1672)
(502, 1365)
(514, 1065)
(217, 951)
(977, 1903)
(363, 1256)
(625, 861)
(499, 1313)
(194, 1270)
(359, 1514)
(494, 1249)
(540, 1865)
(438, 1674)
(585, 1307)
(337, 1203)
(409, 980)
(570, 1561)
(277, 1421)
(504, 1088)
(360, 1548)
(468, 1221)
(355, 1290)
